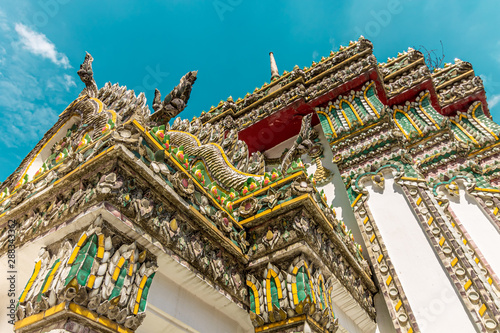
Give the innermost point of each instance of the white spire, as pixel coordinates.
(274, 67)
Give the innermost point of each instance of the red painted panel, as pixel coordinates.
(277, 127)
(286, 123)
(463, 104)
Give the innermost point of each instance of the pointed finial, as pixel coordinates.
(274, 67)
(87, 76)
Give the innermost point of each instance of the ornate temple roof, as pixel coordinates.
(208, 181)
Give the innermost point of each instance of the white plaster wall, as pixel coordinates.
(181, 303)
(345, 321)
(173, 308)
(25, 263)
(276, 151)
(479, 227)
(334, 189)
(436, 306)
(45, 152)
(336, 194)
(384, 320)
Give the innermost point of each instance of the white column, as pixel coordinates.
(436, 306)
(478, 226)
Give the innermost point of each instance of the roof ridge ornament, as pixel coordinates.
(274, 67)
(175, 101)
(301, 145)
(87, 76)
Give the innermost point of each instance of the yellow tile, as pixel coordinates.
(410, 330)
(51, 277)
(289, 202)
(37, 317)
(247, 220)
(389, 280)
(495, 211)
(121, 329)
(120, 262)
(441, 241)
(100, 240)
(366, 220)
(430, 221)
(265, 212)
(372, 238)
(55, 309)
(419, 200)
(73, 255)
(82, 240)
(91, 280)
(380, 258)
(467, 285)
(464, 241)
(269, 305)
(100, 252)
(28, 321)
(482, 310)
(108, 323)
(490, 281)
(476, 260)
(284, 180)
(138, 125)
(398, 305)
(454, 262)
(143, 282)
(356, 200)
(32, 279)
(116, 274)
(73, 307)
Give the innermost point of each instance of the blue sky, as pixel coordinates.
(151, 44)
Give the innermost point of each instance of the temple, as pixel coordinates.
(350, 196)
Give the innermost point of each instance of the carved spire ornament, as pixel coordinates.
(274, 67)
(87, 76)
(175, 101)
(301, 144)
(321, 174)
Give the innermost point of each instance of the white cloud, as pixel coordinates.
(490, 82)
(68, 82)
(333, 44)
(485, 79)
(60, 83)
(3, 52)
(315, 55)
(3, 22)
(28, 104)
(38, 44)
(494, 100)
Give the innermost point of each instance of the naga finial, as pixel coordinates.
(87, 76)
(175, 101)
(301, 144)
